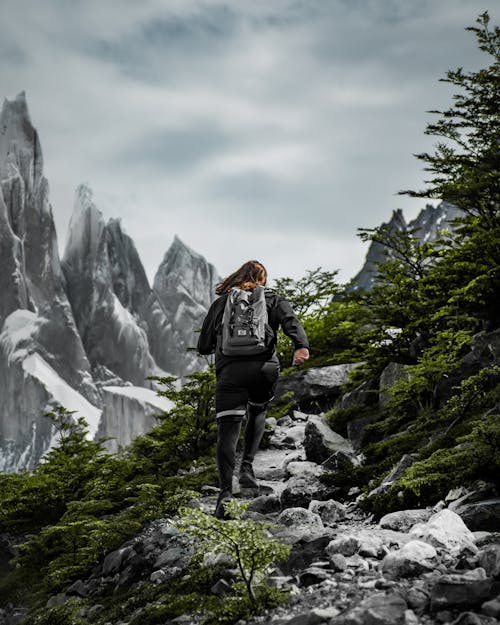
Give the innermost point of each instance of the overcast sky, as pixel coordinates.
(251, 129)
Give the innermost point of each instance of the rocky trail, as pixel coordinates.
(411, 567)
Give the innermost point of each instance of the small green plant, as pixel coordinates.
(248, 543)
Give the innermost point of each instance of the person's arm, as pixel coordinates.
(208, 336)
(294, 330)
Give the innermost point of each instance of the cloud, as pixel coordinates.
(282, 125)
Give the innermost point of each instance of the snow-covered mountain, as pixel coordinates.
(107, 288)
(81, 333)
(184, 288)
(37, 329)
(425, 227)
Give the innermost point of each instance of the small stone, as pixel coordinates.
(222, 588)
(338, 562)
(410, 618)
(492, 608)
(418, 599)
(468, 618)
(78, 588)
(325, 613)
(56, 600)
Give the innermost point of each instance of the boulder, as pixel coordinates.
(356, 429)
(404, 520)
(362, 395)
(301, 521)
(317, 384)
(445, 530)
(330, 511)
(313, 575)
(480, 515)
(341, 460)
(461, 590)
(390, 376)
(305, 551)
(363, 542)
(265, 504)
(413, 558)
(379, 609)
(299, 468)
(301, 490)
(321, 441)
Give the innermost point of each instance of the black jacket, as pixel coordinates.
(279, 313)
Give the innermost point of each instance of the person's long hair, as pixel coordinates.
(248, 276)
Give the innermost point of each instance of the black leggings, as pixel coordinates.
(227, 439)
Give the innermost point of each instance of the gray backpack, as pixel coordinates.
(244, 322)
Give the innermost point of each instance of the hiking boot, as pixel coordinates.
(224, 497)
(247, 476)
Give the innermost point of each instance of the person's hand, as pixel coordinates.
(300, 356)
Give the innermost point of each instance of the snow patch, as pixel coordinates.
(62, 392)
(142, 394)
(123, 317)
(19, 328)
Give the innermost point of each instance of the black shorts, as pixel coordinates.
(244, 382)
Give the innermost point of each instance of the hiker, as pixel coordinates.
(241, 328)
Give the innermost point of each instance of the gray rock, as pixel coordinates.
(356, 429)
(391, 375)
(341, 460)
(404, 520)
(461, 590)
(489, 560)
(265, 504)
(183, 289)
(39, 337)
(221, 588)
(445, 530)
(413, 558)
(114, 560)
(379, 609)
(480, 515)
(362, 395)
(313, 575)
(321, 441)
(338, 562)
(304, 552)
(57, 600)
(330, 511)
(173, 556)
(301, 520)
(321, 383)
(418, 599)
(492, 608)
(301, 490)
(364, 542)
(397, 472)
(77, 588)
